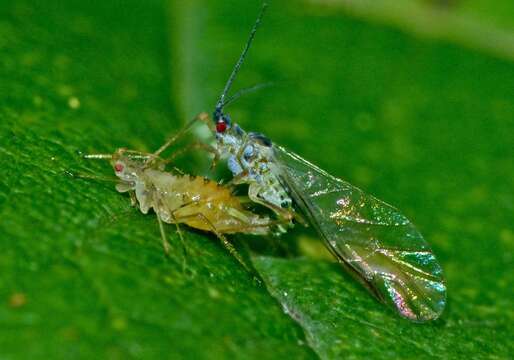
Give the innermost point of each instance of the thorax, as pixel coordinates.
(253, 163)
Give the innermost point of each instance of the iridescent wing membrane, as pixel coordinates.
(376, 243)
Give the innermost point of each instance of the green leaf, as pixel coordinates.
(424, 125)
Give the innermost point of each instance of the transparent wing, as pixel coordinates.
(371, 238)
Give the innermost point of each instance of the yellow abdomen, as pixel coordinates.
(202, 204)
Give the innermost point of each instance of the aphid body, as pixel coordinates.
(178, 198)
(371, 239)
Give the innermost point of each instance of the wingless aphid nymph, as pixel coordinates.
(177, 198)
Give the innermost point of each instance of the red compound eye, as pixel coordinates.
(118, 167)
(221, 126)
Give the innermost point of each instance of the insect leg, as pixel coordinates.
(204, 117)
(194, 146)
(90, 177)
(163, 236)
(238, 179)
(283, 214)
(228, 245)
(250, 227)
(184, 249)
(165, 244)
(137, 154)
(200, 117)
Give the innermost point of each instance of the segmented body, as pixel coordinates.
(197, 202)
(177, 199)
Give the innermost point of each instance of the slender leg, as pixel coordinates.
(91, 177)
(184, 249)
(204, 117)
(106, 221)
(178, 171)
(248, 221)
(131, 153)
(230, 248)
(200, 117)
(251, 228)
(248, 228)
(237, 179)
(193, 146)
(165, 244)
(137, 154)
(243, 228)
(283, 214)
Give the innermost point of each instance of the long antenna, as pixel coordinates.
(98, 156)
(245, 91)
(221, 101)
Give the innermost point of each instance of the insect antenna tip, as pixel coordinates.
(97, 156)
(222, 102)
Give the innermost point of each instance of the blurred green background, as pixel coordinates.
(410, 100)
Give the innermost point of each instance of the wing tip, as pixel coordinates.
(422, 309)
